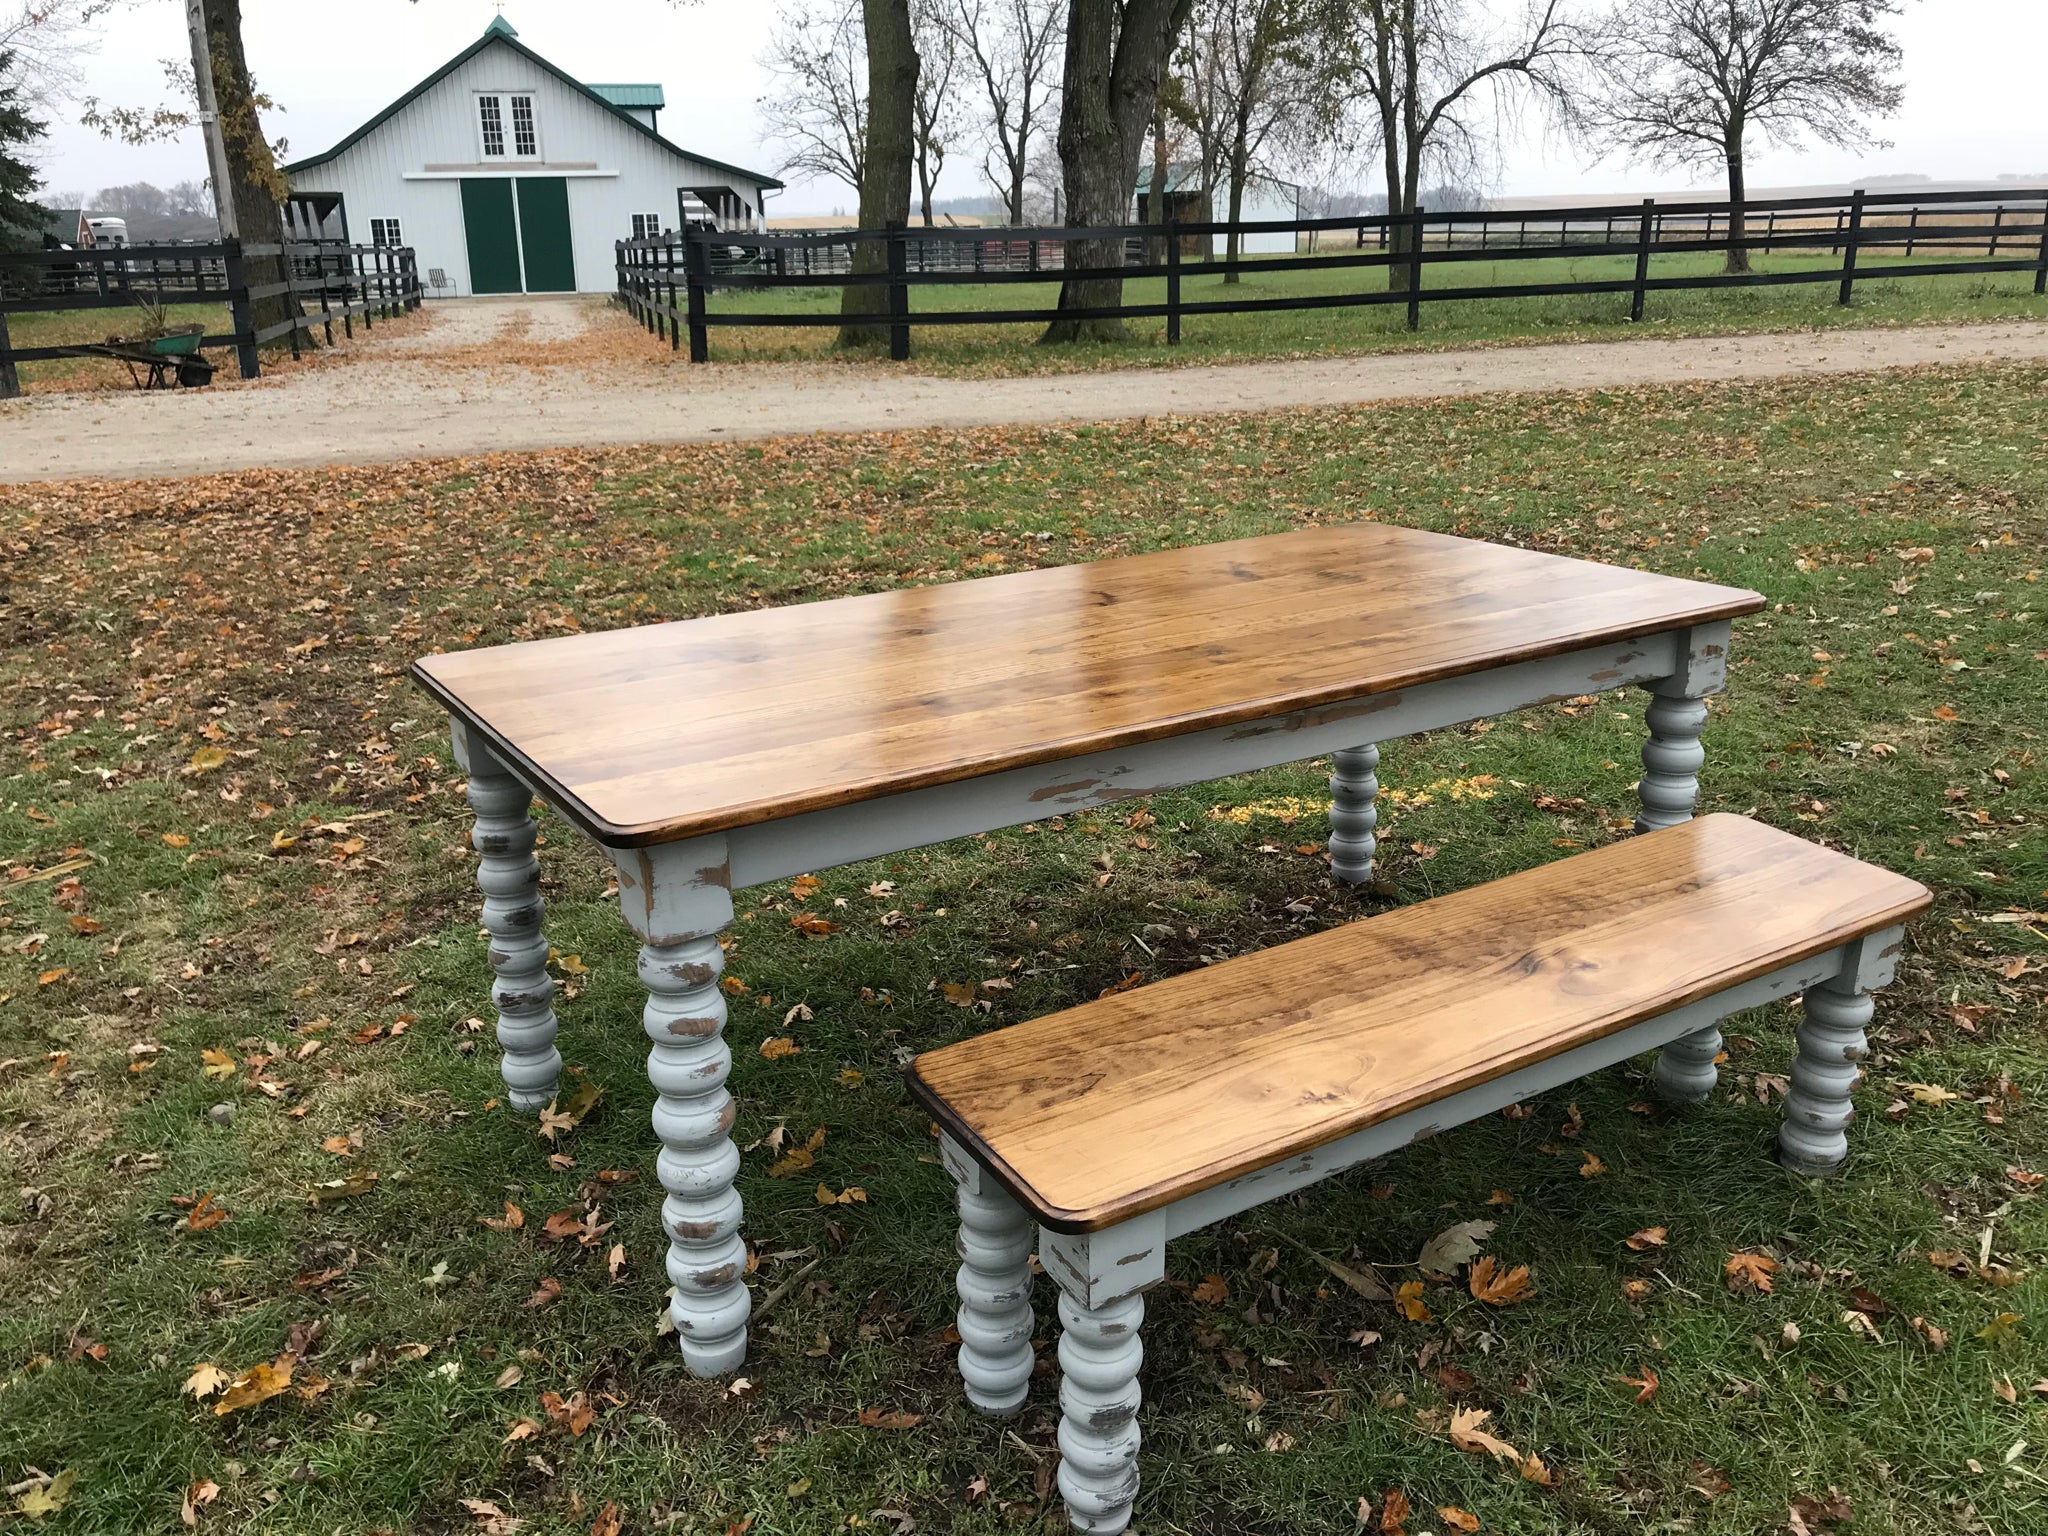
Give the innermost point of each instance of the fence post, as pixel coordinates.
(1415, 271)
(10, 380)
(291, 295)
(1635, 302)
(1912, 228)
(1172, 284)
(2041, 262)
(694, 275)
(675, 321)
(239, 315)
(1997, 219)
(1851, 237)
(899, 294)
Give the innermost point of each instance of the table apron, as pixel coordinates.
(824, 839)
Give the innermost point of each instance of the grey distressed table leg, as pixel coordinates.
(1669, 789)
(994, 1283)
(1814, 1136)
(1354, 813)
(675, 898)
(1102, 1278)
(509, 876)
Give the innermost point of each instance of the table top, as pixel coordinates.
(663, 731)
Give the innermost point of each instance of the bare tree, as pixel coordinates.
(1199, 104)
(885, 162)
(817, 112)
(1010, 48)
(1424, 69)
(189, 198)
(935, 110)
(1261, 76)
(1116, 52)
(1687, 80)
(47, 39)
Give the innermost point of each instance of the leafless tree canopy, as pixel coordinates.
(937, 117)
(1686, 82)
(47, 39)
(1436, 79)
(1010, 51)
(818, 109)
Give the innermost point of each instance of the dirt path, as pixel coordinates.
(467, 384)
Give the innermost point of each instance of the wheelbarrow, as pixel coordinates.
(156, 362)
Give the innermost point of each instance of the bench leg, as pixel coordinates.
(994, 1282)
(1813, 1139)
(677, 904)
(1354, 812)
(1100, 1353)
(509, 876)
(1686, 1073)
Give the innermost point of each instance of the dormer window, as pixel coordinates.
(492, 111)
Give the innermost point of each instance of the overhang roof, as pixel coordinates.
(501, 31)
(630, 95)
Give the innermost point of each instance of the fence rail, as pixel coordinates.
(667, 281)
(324, 283)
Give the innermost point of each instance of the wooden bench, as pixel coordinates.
(1131, 1120)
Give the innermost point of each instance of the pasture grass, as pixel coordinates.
(203, 693)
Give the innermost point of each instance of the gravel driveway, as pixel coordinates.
(486, 376)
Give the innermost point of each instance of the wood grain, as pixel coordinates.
(1115, 1108)
(666, 731)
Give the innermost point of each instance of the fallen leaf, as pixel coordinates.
(48, 1498)
(1592, 1167)
(1932, 1093)
(889, 1418)
(1212, 1292)
(2001, 1329)
(1749, 1272)
(1409, 1300)
(1646, 1384)
(258, 1384)
(513, 1219)
(1500, 1287)
(853, 1194)
(1394, 1512)
(549, 1290)
(197, 1496)
(176, 840)
(608, 1522)
(1456, 1518)
(1468, 1433)
(1453, 1248)
(1648, 1238)
(219, 1064)
(205, 1380)
(1366, 1282)
(206, 1212)
(780, 1047)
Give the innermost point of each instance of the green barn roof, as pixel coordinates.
(630, 95)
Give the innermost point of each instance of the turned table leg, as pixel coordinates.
(1354, 813)
(509, 876)
(1813, 1138)
(674, 897)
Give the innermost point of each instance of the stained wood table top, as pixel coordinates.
(1123, 1105)
(665, 731)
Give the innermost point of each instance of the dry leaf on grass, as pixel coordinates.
(1500, 1287)
(260, 1383)
(1469, 1433)
(1453, 1248)
(1746, 1272)
(1409, 1300)
(1212, 1292)
(197, 1496)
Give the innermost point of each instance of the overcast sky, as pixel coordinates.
(1973, 99)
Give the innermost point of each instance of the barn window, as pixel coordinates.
(385, 232)
(490, 118)
(646, 226)
(524, 140)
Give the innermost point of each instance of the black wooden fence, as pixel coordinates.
(326, 283)
(667, 281)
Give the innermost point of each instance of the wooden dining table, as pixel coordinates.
(711, 754)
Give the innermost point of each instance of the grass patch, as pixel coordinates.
(1011, 349)
(203, 693)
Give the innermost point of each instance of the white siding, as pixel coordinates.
(613, 170)
(1262, 200)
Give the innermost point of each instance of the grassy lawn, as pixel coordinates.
(240, 972)
(1329, 332)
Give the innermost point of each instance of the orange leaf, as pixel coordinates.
(550, 1290)
(1498, 1287)
(1394, 1512)
(260, 1383)
(513, 1219)
(1456, 1518)
(1749, 1272)
(889, 1418)
(608, 1521)
(1212, 1292)
(207, 1213)
(779, 1047)
(1646, 1384)
(1409, 1299)
(1648, 1238)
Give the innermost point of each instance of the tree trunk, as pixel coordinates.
(1155, 201)
(1239, 164)
(1738, 203)
(254, 181)
(891, 145)
(1116, 53)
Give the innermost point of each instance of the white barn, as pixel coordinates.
(508, 176)
(1265, 198)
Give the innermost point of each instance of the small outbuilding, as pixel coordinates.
(507, 175)
(1265, 198)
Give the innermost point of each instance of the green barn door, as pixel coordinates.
(544, 232)
(492, 234)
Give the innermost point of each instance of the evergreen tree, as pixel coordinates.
(21, 217)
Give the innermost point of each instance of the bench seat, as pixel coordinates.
(1132, 1119)
(1120, 1106)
